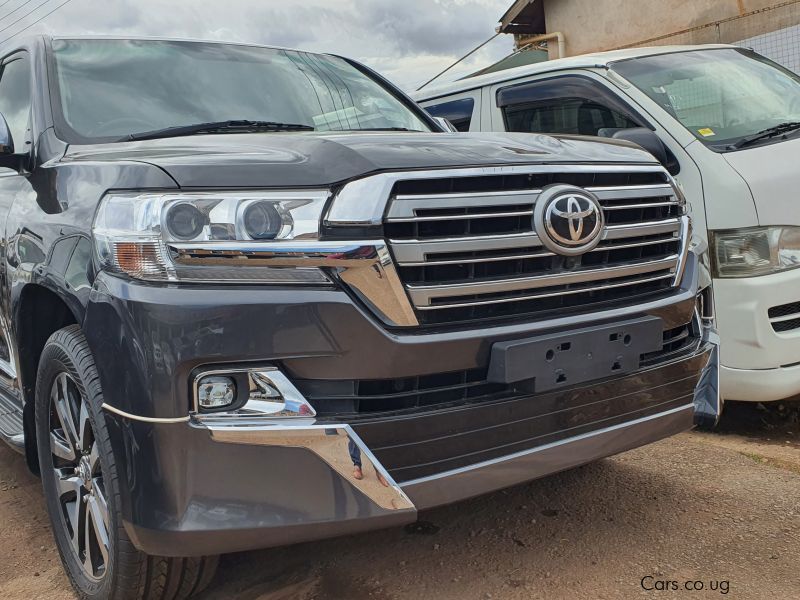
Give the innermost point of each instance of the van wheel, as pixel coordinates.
(79, 478)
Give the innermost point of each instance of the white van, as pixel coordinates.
(726, 123)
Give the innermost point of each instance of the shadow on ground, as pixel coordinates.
(773, 422)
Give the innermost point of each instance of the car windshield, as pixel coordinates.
(722, 96)
(111, 89)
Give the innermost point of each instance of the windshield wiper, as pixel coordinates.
(218, 127)
(379, 129)
(767, 133)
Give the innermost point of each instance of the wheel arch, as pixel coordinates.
(38, 313)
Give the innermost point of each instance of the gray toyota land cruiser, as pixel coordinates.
(252, 296)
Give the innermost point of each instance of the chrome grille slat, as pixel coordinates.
(520, 213)
(404, 206)
(635, 206)
(467, 249)
(632, 192)
(559, 292)
(544, 253)
(422, 295)
(616, 232)
(410, 251)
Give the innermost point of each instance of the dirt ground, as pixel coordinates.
(721, 510)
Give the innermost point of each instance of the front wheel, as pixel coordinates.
(79, 477)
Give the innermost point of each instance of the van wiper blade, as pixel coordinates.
(218, 127)
(767, 133)
(379, 129)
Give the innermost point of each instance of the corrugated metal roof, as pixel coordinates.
(524, 16)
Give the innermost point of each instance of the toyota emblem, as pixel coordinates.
(568, 220)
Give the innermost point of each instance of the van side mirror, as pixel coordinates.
(8, 157)
(446, 125)
(6, 142)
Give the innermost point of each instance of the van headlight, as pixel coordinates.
(756, 251)
(209, 236)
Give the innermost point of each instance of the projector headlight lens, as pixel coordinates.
(185, 221)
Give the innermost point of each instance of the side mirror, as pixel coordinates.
(6, 142)
(644, 138)
(446, 125)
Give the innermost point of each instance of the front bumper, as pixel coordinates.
(196, 488)
(193, 486)
(759, 363)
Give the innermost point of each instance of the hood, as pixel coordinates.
(773, 176)
(313, 159)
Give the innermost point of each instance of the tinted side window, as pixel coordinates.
(458, 112)
(568, 115)
(571, 104)
(15, 99)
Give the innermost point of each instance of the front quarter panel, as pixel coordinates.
(51, 212)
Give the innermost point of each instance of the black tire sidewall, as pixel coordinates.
(66, 352)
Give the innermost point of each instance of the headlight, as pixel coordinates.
(758, 251)
(147, 236)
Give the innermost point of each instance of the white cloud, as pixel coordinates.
(409, 41)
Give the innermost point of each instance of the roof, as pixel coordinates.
(28, 39)
(599, 60)
(524, 16)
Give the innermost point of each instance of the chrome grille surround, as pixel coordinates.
(455, 269)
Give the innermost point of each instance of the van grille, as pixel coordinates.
(466, 249)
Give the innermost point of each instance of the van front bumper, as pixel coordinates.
(760, 336)
(208, 487)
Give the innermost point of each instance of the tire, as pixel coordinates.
(80, 482)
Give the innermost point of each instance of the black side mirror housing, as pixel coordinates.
(8, 157)
(644, 138)
(6, 142)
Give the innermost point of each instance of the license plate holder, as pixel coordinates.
(574, 357)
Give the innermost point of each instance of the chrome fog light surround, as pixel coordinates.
(263, 392)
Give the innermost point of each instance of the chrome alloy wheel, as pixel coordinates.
(78, 476)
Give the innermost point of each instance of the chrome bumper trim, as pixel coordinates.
(365, 266)
(337, 445)
(521, 467)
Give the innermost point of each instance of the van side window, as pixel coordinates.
(571, 104)
(15, 99)
(458, 112)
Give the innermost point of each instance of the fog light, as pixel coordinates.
(216, 392)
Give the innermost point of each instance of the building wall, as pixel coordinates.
(595, 25)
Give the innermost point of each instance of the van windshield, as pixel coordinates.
(110, 89)
(724, 97)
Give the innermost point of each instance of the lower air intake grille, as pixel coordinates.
(785, 317)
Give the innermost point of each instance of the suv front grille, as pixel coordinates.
(466, 250)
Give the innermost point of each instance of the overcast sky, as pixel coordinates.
(409, 41)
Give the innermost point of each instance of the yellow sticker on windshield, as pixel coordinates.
(706, 132)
